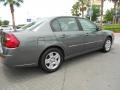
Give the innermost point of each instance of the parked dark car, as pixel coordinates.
(50, 41)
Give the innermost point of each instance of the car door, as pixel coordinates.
(67, 30)
(93, 38)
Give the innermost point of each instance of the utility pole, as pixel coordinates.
(101, 21)
(90, 9)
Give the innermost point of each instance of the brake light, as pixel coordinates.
(11, 41)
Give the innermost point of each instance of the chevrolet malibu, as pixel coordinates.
(49, 41)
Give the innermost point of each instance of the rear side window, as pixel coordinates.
(65, 24)
(68, 24)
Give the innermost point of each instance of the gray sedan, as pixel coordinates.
(49, 41)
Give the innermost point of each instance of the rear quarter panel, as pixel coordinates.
(32, 44)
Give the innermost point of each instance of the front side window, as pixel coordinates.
(68, 24)
(87, 25)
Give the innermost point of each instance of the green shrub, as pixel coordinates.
(115, 28)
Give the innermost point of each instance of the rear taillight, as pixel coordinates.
(11, 41)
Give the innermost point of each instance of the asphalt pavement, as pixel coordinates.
(93, 71)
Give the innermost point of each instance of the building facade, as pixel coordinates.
(96, 2)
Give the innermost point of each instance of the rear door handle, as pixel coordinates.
(62, 36)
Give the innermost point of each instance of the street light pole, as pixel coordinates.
(101, 21)
(90, 9)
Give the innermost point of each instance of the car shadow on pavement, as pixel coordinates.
(22, 74)
(82, 58)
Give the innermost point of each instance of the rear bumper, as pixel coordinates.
(10, 61)
(15, 58)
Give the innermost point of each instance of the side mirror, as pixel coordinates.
(98, 28)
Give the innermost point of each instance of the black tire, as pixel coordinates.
(43, 58)
(104, 49)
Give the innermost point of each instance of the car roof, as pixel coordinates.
(54, 17)
(65, 16)
(60, 16)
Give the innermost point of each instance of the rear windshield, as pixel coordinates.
(27, 26)
(33, 25)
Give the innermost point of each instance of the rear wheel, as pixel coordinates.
(51, 60)
(107, 45)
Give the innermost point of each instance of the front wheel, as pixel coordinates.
(51, 60)
(107, 45)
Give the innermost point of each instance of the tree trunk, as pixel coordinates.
(115, 3)
(13, 17)
(13, 21)
(115, 7)
(82, 11)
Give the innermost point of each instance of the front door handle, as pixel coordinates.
(87, 34)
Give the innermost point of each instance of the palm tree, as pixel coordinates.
(115, 4)
(11, 4)
(102, 2)
(75, 9)
(83, 8)
(79, 6)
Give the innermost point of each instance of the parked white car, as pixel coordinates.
(7, 28)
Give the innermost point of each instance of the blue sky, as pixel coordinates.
(41, 8)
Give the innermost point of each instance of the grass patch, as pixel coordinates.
(115, 28)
